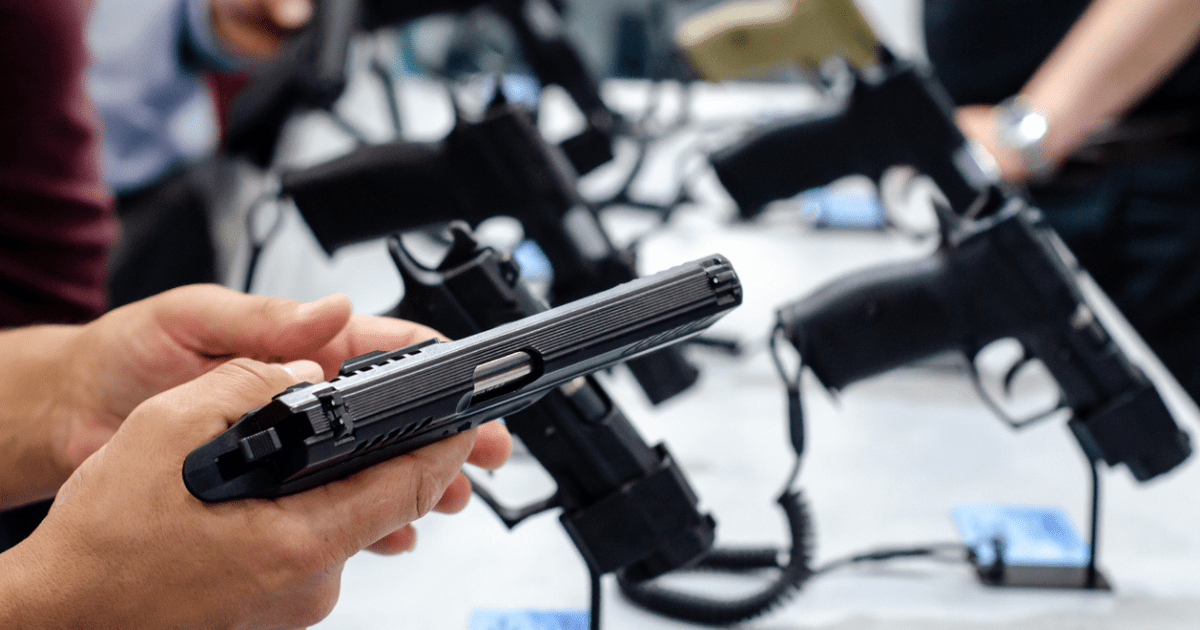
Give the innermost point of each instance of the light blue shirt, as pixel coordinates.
(156, 110)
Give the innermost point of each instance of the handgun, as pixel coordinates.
(626, 505)
(499, 165)
(895, 113)
(383, 404)
(1006, 275)
(310, 71)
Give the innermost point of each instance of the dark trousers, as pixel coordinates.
(1136, 228)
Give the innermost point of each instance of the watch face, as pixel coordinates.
(1021, 125)
(1032, 127)
(1023, 129)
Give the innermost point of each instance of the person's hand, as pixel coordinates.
(255, 28)
(147, 347)
(126, 546)
(68, 388)
(980, 123)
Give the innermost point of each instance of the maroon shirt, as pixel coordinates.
(56, 218)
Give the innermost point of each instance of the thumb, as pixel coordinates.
(204, 407)
(218, 323)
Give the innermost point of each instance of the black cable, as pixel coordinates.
(258, 245)
(348, 128)
(793, 565)
(933, 551)
(388, 83)
(721, 612)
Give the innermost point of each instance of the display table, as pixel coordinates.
(887, 458)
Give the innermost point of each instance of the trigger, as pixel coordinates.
(1011, 375)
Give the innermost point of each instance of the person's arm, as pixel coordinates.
(126, 546)
(66, 389)
(37, 396)
(1114, 55)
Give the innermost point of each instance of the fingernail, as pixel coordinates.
(305, 370)
(293, 13)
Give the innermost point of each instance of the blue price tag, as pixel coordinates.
(841, 210)
(1029, 535)
(529, 620)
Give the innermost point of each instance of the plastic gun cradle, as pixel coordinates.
(383, 404)
(1008, 276)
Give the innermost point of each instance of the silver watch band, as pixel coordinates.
(1022, 128)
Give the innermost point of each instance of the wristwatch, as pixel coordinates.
(1022, 128)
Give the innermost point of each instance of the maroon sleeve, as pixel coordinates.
(56, 217)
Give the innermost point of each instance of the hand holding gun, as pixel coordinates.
(384, 404)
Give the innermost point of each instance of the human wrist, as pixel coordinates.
(39, 593)
(42, 396)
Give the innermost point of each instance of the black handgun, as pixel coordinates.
(383, 404)
(499, 165)
(310, 71)
(625, 504)
(896, 113)
(1003, 276)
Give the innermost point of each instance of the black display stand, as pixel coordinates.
(1051, 576)
(594, 617)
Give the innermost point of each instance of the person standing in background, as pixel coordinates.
(161, 72)
(1094, 105)
(56, 220)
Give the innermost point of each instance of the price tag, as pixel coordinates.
(529, 620)
(1029, 535)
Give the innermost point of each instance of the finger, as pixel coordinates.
(209, 404)
(493, 446)
(399, 541)
(304, 370)
(219, 323)
(382, 498)
(456, 496)
(365, 333)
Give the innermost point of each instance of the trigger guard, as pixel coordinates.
(1011, 374)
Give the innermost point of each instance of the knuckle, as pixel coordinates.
(297, 549)
(320, 603)
(254, 375)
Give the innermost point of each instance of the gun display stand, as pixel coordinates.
(1000, 574)
(594, 616)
